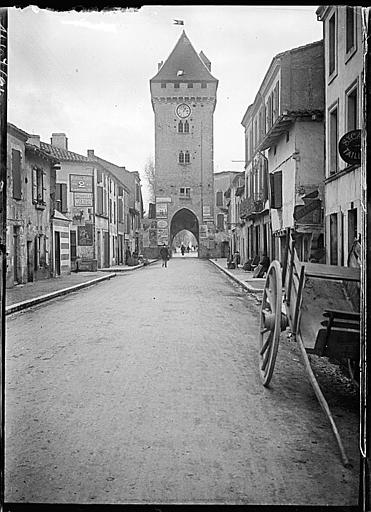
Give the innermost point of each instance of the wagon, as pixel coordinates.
(309, 299)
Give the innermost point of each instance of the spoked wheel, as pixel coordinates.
(271, 322)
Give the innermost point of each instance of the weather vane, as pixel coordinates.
(178, 22)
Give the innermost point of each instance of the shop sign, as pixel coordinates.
(163, 199)
(203, 231)
(161, 210)
(84, 199)
(162, 223)
(85, 235)
(350, 147)
(81, 183)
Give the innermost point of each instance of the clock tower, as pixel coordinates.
(183, 95)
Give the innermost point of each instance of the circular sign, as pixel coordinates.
(350, 147)
(162, 224)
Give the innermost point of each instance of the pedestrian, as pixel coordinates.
(164, 253)
(187, 249)
(182, 248)
(127, 256)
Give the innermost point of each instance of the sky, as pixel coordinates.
(87, 73)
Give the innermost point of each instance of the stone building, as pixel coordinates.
(288, 125)
(222, 183)
(33, 251)
(183, 95)
(344, 71)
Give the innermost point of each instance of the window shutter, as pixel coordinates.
(34, 185)
(276, 190)
(16, 173)
(58, 197)
(99, 200)
(63, 192)
(120, 211)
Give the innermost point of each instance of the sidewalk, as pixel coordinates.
(26, 295)
(243, 277)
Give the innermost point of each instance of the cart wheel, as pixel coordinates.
(270, 322)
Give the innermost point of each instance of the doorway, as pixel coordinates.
(30, 263)
(57, 253)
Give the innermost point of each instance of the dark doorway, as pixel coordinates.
(57, 252)
(184, 219)
(16, 248)
(29, 262)
(73, 245)
(106, 248)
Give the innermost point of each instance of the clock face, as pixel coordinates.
(183, 110)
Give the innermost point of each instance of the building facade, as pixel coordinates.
(183, 95)
(344, 69)
(32, 253)
(288, 126)
(222, 183)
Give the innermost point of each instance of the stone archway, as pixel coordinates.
(184, 219)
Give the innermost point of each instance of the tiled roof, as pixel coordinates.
(63, 154)
(184, 57)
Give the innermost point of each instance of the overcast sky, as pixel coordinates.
(87, 74)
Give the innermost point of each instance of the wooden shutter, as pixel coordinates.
(276, 190)
(100, 200)
(16, 174)
(64, 208)
(120, 210)
(43, 187)
(34, 185)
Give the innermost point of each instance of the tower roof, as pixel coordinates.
(184, 58)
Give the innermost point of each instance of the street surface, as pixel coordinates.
(146, 389)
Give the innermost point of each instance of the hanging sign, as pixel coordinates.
(350, 147)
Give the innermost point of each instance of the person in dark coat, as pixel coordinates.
(182, 249)
(164, 253)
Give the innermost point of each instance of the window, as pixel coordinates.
(110, 211)
(276, 101)
(352, 227)
(38, 186)
(16, 174)
(163, 85)
(352, 110)
(100, 200)
(219, 198)
(220, 221)
(190, 85)
(185, 192)
(99, 176)
(287, 136)
(203, 85)
(180, 127)
(332, 44)
(349, 28)
(176, 85)
(181, 157)
(187, 157)
(61, 197)
(120, 212)
(137, 192)
(276, 190)
(333, 140)
(186, 127)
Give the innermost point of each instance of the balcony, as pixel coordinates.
(251, 206)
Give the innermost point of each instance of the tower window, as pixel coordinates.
(176, 85)
(203, 85)
(180, 127)
(186, 127)
(181, 157)
(185, 192)
(219, 198)
(190, 85)
(163, 85)
(187, 157)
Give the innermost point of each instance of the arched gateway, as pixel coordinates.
(183, 95)
(184, 219)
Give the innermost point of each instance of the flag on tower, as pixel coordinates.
(178, 22)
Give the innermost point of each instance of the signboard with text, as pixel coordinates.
(81, 183)
(161, 210)
(82, 199)
(350, 147)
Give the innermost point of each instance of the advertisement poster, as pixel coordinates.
(85, 235)
(203, 231)
(161, 210)
(206, 212)
(85, 199)
(81, 183)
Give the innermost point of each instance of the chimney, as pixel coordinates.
(159, 65)
(59, 140)
(90, 153)
(34, 140)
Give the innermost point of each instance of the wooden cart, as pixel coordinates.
(295, 297)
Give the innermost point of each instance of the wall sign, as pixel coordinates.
(163, 199)
(85, 199)
(161, 210)
(81, 183)
(162, 223)
(350, 147)
(85, 234)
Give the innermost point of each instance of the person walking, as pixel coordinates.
(164, 253)
(182, 249)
